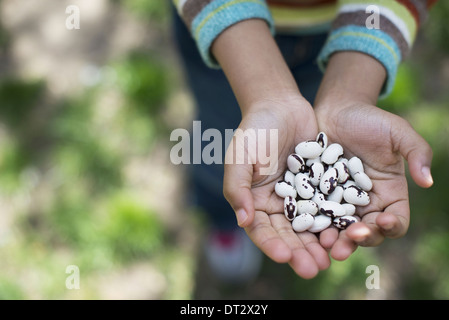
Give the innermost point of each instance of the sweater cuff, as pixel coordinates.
(221, 14)
(373, 42)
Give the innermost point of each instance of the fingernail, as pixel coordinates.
(426, 172)
(241, 216)
(361, 233)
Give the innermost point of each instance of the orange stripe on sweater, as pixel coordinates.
(300, 4)
(430, 3)
(411, 7)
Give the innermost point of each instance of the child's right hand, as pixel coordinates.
(251, 194)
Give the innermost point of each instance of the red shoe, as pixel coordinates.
(232, 256)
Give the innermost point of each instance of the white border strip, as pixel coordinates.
(387, 13)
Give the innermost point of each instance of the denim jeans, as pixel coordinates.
(217, 108)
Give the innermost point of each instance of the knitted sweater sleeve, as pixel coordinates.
(206, 19)
(383, 29)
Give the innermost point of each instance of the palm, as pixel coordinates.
(269, 229)
(371, 134)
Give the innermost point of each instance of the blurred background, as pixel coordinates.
(86, 179)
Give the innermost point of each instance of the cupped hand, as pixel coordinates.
(382, 141)
(249, 182)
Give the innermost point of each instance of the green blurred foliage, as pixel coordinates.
(431, 280)
(429, 212)
(151, 10)
(78, 147)
(132, 230)
(143, 80)
(71, 218)
(4, 37)
(13, 161)
(406, 91)
(343, 280)
(88, 211)
(9, 290)
(436, 27)
(19, 98)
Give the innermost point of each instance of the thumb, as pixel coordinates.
(238, 177)
(418, 154)
(237, 191)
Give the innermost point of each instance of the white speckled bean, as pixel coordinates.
(332, 153)
(332, 209)
(356, 196)
(329, 181)
(348, 184)
(349, 208)
(295, 163)
(317, 180)
(307, 206)
(344, 160)
(316, 171)
(343, 171)
(336, 195)
(344, 221)
(283, 189)
(355, 165)
(318, 197)
(309, 149)
(320, 223)
(303, 186)
(322, 140)
(290, 208)
(302, 222)
(309, 162)
(363, 181)
(289, 177)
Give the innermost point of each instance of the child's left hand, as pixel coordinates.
(382, 141)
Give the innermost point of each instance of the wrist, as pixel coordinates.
(350, 77)
(288, 107)
(253, 64)
(285, 101)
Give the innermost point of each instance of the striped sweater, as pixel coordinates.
(383, 29)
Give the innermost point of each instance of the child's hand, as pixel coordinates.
(259, 210)
(382, 141)
(345, 110)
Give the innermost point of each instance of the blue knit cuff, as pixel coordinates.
(221, 14)
(373, 42)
